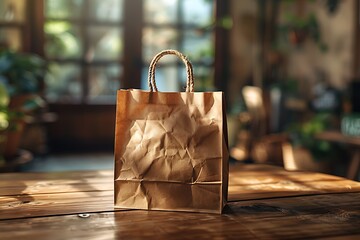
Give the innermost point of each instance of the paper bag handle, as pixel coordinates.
(189, 70)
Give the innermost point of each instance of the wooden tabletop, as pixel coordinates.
(266, 202)
(337, 136)
(354, 141)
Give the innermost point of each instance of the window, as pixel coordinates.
(184, 25)
(85, 46)
(13, 24)
(83, 42)
(97, 46)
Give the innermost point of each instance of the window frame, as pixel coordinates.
(34, 41)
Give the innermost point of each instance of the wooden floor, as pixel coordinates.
(265, 203)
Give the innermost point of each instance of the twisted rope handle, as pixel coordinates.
(189, 70)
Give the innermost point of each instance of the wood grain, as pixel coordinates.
(42, 183)
(267, 203)
(45, 194)
(254, 182)
(128, 225)
(37, 205)
(242, 179)
(301, 217)
(291, 218)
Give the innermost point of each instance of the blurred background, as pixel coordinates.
(289, 69)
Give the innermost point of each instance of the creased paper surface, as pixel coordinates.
(170, 151)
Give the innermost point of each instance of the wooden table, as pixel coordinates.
(266, 202)
(353, 142)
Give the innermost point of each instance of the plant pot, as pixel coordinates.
(297, 36)
(18, 102)
(13, 139)
(15, 130)
(13, 164)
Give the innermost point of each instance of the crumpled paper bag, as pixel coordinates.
(171, 151)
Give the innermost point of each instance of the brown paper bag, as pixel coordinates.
(171, 148)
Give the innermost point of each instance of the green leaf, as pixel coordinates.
(4, 122)
(4, 96)
(33, 103)
(226, 22)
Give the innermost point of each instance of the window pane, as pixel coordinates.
(63, 83)
(106, 10)
(62, 40)
(103, 82)
(12, 10)
(10, 38)
(166, 79)
(156, 40)
(63, 8)
(198, 46)
(160, 11)
(204, 78)
(198, 12)
(105, 43)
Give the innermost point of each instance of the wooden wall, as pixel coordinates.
(82, 128)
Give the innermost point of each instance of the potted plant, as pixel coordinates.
(20, 77)
(297, 29)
